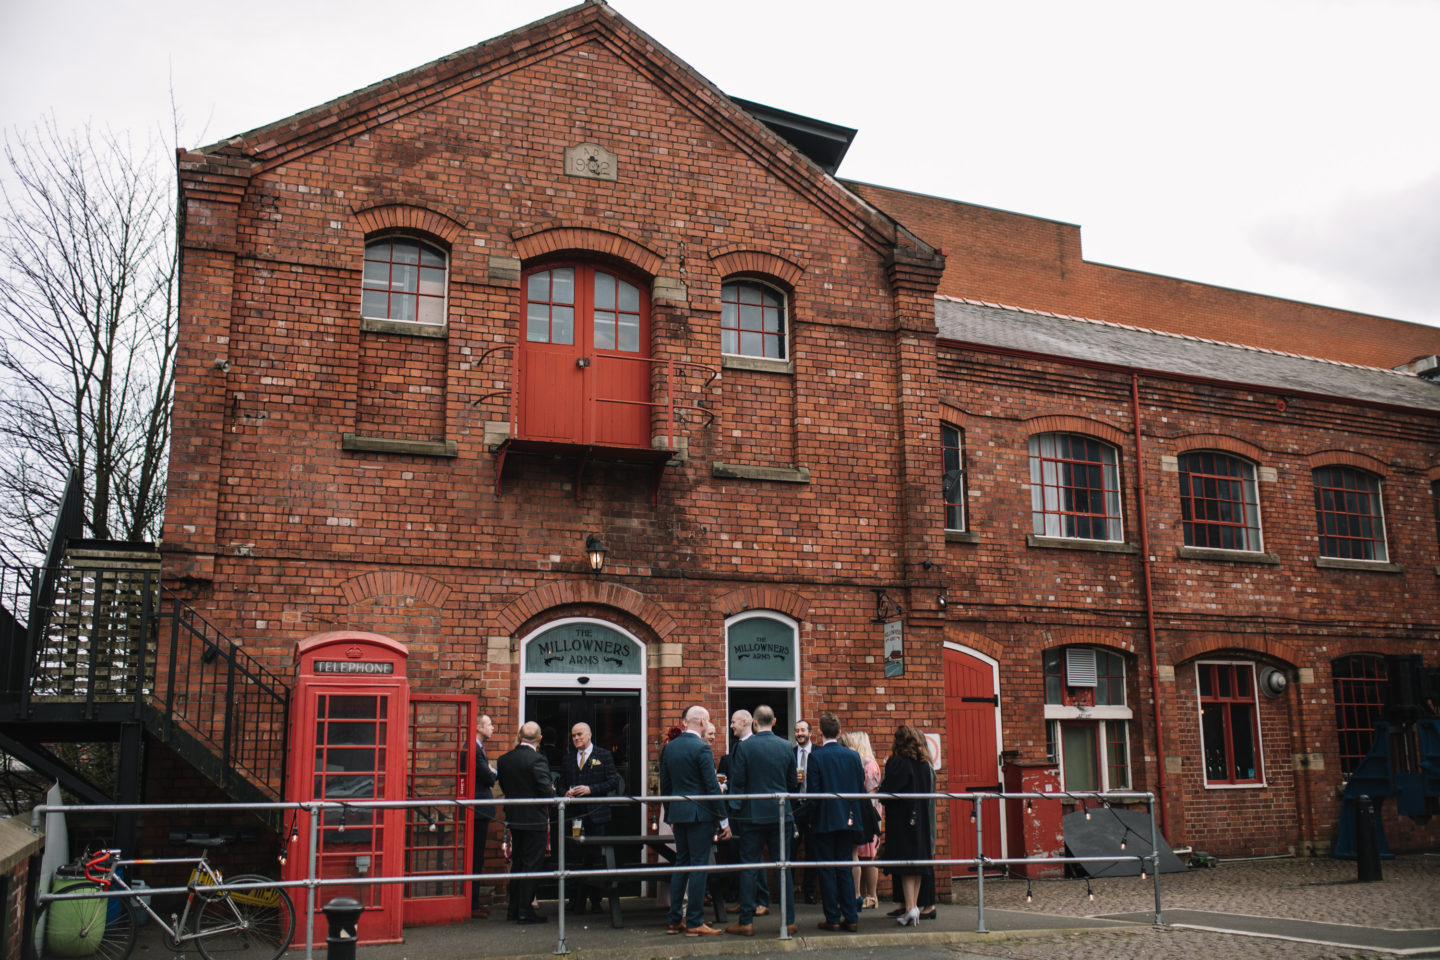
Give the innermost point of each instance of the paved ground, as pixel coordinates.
(1289, 896)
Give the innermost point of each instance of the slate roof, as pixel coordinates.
(1094, 341)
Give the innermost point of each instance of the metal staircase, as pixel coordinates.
(95, 650)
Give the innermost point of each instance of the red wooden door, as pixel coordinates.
(583, 368)
(973, 763)
(437, 838)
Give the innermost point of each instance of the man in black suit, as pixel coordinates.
(525, 775)
(835, 823)
(483, 812)
(803, 850)
(587, 771)
(765, 765)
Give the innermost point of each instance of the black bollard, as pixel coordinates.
(1367, 848)
(344, 916)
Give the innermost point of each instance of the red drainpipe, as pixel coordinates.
(1149, 599)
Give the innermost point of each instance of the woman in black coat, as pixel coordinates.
(909, 824)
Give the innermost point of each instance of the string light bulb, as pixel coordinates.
(1089, 892)
(1087, 813)
(1122, 843)
(1029, 897)
(1029, 804)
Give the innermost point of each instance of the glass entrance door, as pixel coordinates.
(616, 724)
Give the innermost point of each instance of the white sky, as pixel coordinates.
(1288, 147)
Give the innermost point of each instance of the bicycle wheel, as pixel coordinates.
(256, 924)
(101, 927)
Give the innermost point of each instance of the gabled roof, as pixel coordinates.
(1135, 348)
(592, 21)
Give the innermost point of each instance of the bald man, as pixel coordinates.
(524, 774)
(588, 770)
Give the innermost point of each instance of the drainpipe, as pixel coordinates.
(1149, 599)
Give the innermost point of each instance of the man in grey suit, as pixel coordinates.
(766, 765)
(687, 767)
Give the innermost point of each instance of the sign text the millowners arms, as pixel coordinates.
(576, 647)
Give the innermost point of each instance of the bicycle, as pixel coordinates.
(258, 921)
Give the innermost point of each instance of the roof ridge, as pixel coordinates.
(1172, 335)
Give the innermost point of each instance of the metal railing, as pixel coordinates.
(315, 811)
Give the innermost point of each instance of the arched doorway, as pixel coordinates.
(972, 729)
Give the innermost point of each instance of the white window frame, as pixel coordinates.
(423, 245)
(785, 322)
(793, 685)
(1047, 520)
(1261, 783)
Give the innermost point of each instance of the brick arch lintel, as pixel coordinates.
(563, 593)
(560, 236)
(952, 413)
(1209, 643)
(1063, 423)
(976, 641)
(1217, 441)
(416, 216)
(1433, 473)
(395, 583)
(738, 259)
(1347, 458)
(1089, 636)
(745, 599)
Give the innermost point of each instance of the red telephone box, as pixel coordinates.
(348, 742)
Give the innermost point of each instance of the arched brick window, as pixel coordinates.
(1074, 487)
(753, 320)
(952, 478)
(1349, 514)
(404, 279)
(1219, 504)
(1360, 682)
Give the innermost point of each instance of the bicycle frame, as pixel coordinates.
(101, 869)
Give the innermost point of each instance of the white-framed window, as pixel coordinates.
(1219, 502)
(952, 477)
(1074, 488)
(404, 279)
(762, 665)
(1087, 718)
(753, 320)
(1229, 723)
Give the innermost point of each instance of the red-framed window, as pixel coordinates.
(1360, 682)
(1074, 487)
(1229, 723)
(752, 320)
(1091, 754)
(1349, 514)
(952, 482)
(404, 279)
(1219, 504)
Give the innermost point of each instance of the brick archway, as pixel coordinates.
(571, 592)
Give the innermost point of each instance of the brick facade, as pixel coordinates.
(801, 487)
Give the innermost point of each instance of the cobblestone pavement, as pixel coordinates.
(1303, 889)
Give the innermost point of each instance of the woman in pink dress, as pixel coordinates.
(867, 878)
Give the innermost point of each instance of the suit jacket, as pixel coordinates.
(524, 775)
(687, 766)
(765, 765)
(835, 769)
(484, 782)
(599, 775)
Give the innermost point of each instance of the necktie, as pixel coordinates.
(582, 759)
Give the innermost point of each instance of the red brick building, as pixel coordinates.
(439, 332)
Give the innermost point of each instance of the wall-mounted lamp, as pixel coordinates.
(595, 553)
(942, 601)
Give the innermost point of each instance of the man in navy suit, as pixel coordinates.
(835, 823)
(483, 812)
(766, 765)
(687, 767)
(524, 775)
(587, 771)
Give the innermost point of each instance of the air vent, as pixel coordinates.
(1080, 667)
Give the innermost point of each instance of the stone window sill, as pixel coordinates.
(1368, 566)
(961, 536)
(740, 471)
(757, 364)
(1232, 556)
(1069, 543)
(418, 448)
(404, 328)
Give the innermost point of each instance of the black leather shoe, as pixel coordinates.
(928, 916)
(897, 912)
(532, 918)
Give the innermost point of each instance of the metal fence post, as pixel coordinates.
(311, 871)
(343, 913)
(784, 873)
(1154, 858)
(979, 809)
(560, 948)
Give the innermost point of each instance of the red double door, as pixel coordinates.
(583, 367)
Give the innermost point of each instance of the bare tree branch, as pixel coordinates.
(87, 334)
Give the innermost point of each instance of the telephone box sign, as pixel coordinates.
(352, 667)
(762, 649)
(582, 648)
